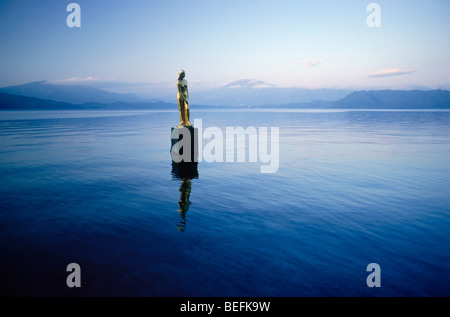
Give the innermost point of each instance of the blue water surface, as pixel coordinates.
(353, 187)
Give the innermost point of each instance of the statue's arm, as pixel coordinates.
(183, 89)
(186, 93)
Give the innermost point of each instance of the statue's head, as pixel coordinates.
(181, 74)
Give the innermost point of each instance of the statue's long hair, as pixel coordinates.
(181, 72)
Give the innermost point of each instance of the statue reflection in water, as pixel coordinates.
(184, 172)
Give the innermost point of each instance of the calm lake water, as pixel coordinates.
(353, 187)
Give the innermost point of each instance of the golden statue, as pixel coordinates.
(183, 99)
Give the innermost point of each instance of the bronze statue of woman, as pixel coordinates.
(183, 99)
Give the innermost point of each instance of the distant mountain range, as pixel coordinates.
(17, 102)
(382, 99)
(260, 95)
(399, 99)
(255, 94)
(76, 94)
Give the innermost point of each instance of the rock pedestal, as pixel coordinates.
(184, 151)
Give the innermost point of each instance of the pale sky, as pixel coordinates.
(140, 44)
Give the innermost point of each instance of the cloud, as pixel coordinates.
(310, 63)
(391, 72)
(78, 80)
